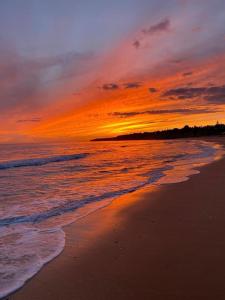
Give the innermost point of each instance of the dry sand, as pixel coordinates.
(164, 244)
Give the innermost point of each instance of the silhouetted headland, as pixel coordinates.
(176, 133)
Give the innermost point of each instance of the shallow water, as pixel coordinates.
(45, 187)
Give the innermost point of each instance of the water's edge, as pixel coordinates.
(161, 178)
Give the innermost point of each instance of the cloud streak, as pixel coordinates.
(132, 85)
(181, 111)
(162, 26)
(33, 120)
(157, 28)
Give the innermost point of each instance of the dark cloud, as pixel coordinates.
(162, 26)
(185, 92)
(137, 44)
(132, 85)
(187, 74)
(110, 86)
(29, 120)
(114, 86)
(214, 94)
(162, 112)
(153, 90)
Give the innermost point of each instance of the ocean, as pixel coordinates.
(44, 187)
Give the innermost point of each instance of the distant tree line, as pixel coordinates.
(176, 133)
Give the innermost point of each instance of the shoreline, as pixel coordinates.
(125, 233)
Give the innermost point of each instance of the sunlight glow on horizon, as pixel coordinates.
(165, 68)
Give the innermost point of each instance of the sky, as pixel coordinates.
(81, 69)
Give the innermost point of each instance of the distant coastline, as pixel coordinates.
(175, 133)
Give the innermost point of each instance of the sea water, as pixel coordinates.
(44, 187)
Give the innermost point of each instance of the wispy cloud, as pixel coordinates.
(157, 28)
(162, 26)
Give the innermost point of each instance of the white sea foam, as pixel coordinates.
(23, 252)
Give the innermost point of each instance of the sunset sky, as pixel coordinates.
(80, 69)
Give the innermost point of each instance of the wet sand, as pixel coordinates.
(167, 243)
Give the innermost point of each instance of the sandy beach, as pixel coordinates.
(161, 244)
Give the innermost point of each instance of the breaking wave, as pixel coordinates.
(32, 162)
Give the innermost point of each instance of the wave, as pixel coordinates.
(71, 206)
(40, 161)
